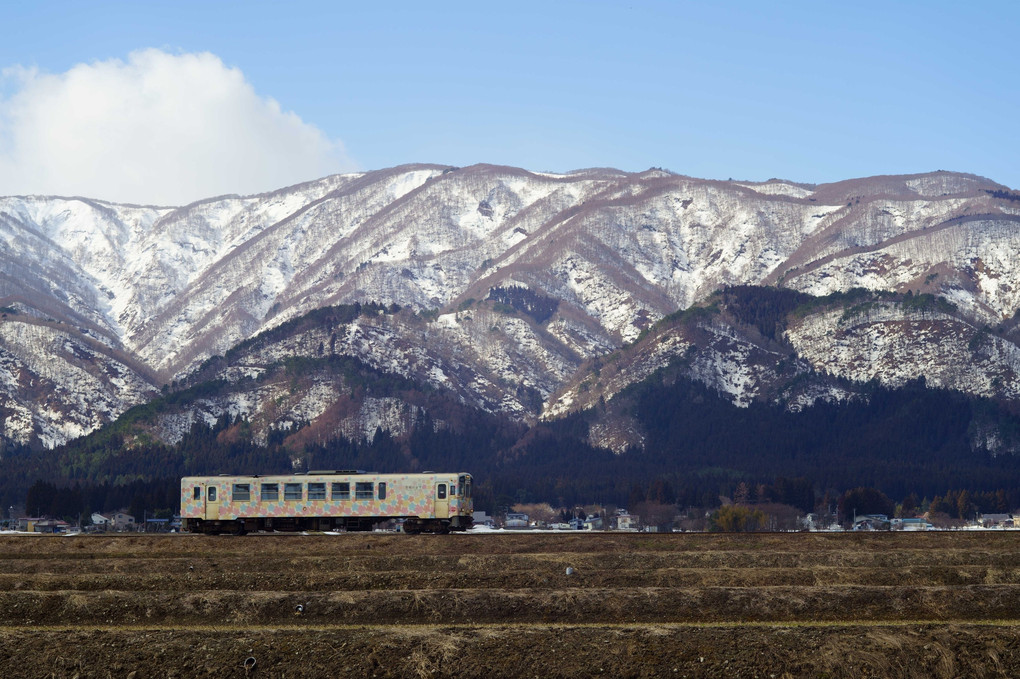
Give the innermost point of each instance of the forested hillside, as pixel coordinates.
(698, 446)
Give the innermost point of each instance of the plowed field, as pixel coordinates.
(503, 605)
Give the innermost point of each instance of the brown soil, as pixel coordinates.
(499, 605)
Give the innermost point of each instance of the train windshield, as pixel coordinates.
(464, 486)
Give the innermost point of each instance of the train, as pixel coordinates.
(338, 500)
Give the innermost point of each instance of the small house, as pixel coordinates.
(50, 526)
(915, 524)
(122, 521)
(872, 522)
(996, 520)
(482, 519)
(626, 521)
(26, 524)
(118, 521)
(516, 520)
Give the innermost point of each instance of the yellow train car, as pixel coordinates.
(430, 502)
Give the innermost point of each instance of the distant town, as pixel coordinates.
(542, 517)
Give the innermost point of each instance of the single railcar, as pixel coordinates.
(326, 500)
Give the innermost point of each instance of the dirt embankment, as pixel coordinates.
(497, 605)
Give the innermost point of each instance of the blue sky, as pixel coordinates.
(812, 92)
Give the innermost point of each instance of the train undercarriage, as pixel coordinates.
(410, 525)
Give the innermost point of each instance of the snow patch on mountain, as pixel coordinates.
(386, 414)
(894, 345)
(974, 261)
(776, 187)
(56, 385)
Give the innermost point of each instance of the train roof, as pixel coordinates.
(324, 472)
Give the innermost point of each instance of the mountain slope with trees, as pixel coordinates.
(290, 400)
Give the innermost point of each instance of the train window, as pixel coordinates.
(382, 491)
(363, 490)
(441, 491)
(453, 490)
(461, 483)
(198, 492)
(316, 491)
(270, 492)
(242, 492)
(292, 491)
(212, 493)
(341, 491)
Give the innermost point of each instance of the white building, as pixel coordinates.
(118, 521)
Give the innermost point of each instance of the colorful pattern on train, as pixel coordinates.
(431, 501)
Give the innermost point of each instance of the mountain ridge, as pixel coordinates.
(172, 286)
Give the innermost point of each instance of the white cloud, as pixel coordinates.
(159, 128)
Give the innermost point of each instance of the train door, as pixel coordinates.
(212, 502)
(442, 501)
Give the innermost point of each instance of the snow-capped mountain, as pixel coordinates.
(137, 297)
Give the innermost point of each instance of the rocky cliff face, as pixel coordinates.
(603, 254)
